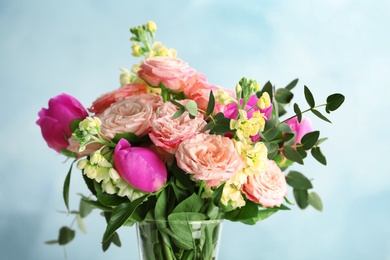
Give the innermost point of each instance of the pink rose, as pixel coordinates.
(55, 121)
(211, 158)
(267, 188)
(134, 114)
(104, 101)
(140, 167)
(167, 133)
(199, 91)
(300, 129)
(173, 72)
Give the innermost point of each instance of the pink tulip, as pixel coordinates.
(55, 121)
(301, 128)
(140, 167)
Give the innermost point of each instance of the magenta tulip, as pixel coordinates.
(140, 167)
(55, 121)
(301, 128)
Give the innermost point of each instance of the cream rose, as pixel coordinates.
(134, 114)
(167, 133)
(173, 72)
(211, 158)
(268, 187)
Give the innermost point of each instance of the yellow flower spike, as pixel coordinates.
(90, 171)
(137, 51)
(81, 164)
(264, 101)
(224, 97)
(125, 78)
(151, 26)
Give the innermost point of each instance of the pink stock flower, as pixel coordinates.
(232, 109)
(133, 114)
(167, 133)
(173, 72)
(211, 158)
(140, 167)
(267, 188)
(105, 100)
(301, 128)
(55, 121)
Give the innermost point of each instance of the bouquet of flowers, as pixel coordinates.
(168, 145)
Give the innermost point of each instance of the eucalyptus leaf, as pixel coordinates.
(211, 104)
(178, 113)
(285, 128)
(292, 84)
(66, 235)
(309, 97)
(318, 114)
(192, 107)
(310, 139)
(292, 154)
(283, 96)
(51, 242)
(301, 197)
(84, 208)
(318, 155)
(298, 181)
(315, 201)
(298, 112)
(80, 224)
(334, 101)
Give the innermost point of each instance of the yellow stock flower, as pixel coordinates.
(137, 52)
(232, 196)
(151, 26)
(224, 97)
(264, 101)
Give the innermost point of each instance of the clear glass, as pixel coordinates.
(179, 240)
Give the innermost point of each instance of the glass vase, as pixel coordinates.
(179, 240)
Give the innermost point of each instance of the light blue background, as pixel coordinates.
(77, 46)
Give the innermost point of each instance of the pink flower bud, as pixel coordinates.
(140, 167)
(55, 121)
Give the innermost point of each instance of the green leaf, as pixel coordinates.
(298, 181)
(97, 204)
(90, 183)
(217, 195)
(113, 239)
(302, 152)
(51, 242)
(211, 104)
(321, 140)
(65, 192)
(68, 153)
(301, 197)
(310, 139)
(74, 125)
(285, 128)
(270, 129)
(65, 236)
(298, 112)
(192, 108)
(315, 201)
(309, 97)
(131, 137)
(334, 101)
(261, 215)
(84, 208)
(283, 96)
(80, 224)
(292, 154)
(292, 84)
(120, 214)
(178, 113)
(192, 204)
(161, 204)
(318, 114)
(317, 154)
(267, 88)
(272, 150)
